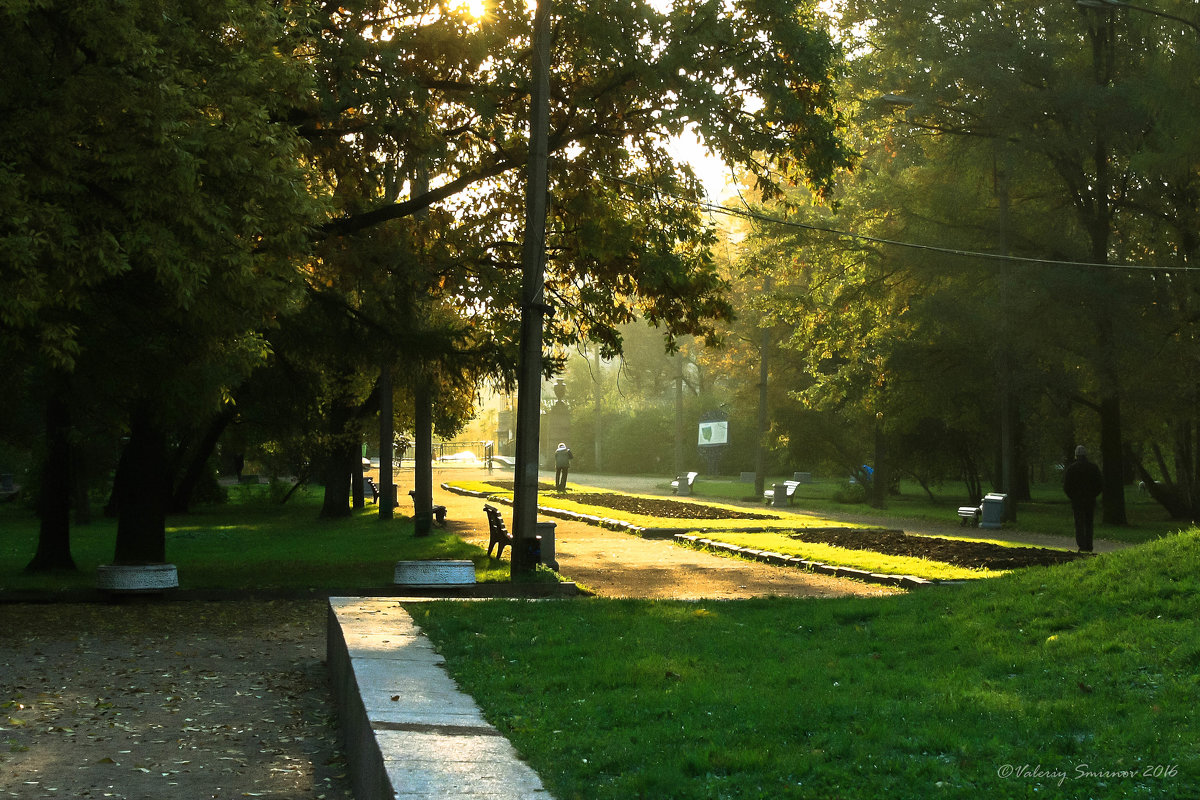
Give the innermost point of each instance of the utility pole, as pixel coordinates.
(533, 305)
(679, 470)
(598, 387)
(760, 456)
(422, 411)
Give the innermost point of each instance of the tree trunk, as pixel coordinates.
(337, 481)
(879, 481)
(54, 493)
(1111, 451)
(181, 498)
(142, 491)
(423, 457)
(387, 431)
(357, 493)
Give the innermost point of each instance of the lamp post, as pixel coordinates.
(529, 368)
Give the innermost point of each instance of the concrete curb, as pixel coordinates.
(409, 732)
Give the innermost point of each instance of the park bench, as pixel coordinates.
(684, 483)
(969, 515)
(8, 488)
(439, 512)
(789, 490)
(372, 488)
(499, 533)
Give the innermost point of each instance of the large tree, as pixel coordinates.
(152, 211)
(165, 160)
(1077, 99)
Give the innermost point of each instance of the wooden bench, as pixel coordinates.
(499, 533)
(789, 488)
(969, 515)
(683, 484)
(439, 512)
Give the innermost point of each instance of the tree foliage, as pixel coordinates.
(185, 183)
(1040, 133)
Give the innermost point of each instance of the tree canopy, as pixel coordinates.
(185, 181)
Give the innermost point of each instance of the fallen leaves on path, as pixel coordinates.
(150, 698)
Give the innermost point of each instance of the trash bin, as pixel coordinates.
(779, 496)
(545, 537)
(526, 553)
(993, 511)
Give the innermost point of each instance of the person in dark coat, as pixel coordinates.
(1083, 483)
(562, 462)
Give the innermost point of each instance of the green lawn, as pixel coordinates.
(1074, 681)
(251, 543)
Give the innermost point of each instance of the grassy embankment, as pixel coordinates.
(1064, 682)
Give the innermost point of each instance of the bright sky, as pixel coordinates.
(711, 170)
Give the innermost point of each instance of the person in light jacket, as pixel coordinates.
(1083, 483)
(562, 462)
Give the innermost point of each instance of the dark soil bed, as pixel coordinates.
(972, 555)
(646, 506)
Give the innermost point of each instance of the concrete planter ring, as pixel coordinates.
(429, 574)
(137, 577)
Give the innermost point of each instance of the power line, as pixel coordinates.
(757, 216)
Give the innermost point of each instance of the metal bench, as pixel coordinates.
(499, 533)
(969, 515)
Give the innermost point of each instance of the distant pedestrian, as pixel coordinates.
(562, 462)
(1083, 483)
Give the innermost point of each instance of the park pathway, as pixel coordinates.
(615, 564)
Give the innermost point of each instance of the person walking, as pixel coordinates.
(1083, 483)
(562, 462)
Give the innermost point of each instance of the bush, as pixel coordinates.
(850, 493)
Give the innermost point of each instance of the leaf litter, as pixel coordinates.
(152, 698)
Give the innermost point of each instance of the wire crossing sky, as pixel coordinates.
(756, 216)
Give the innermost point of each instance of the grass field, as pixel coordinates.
(1073, 681)
(250, 543)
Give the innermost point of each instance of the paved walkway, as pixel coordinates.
(410, 732)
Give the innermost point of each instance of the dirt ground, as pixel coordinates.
(148, 699)
(152, 699)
